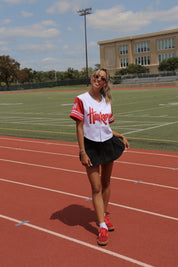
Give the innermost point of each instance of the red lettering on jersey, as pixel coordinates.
(93, 116)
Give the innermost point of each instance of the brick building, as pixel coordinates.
(146, 49)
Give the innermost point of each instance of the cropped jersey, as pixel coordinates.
(96, 117)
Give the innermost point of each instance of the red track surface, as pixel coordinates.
(43, 182)
(80, 90)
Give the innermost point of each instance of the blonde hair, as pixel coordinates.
(105, 91)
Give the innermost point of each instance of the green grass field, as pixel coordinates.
(147, 117)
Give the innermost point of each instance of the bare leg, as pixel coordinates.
(106, 171)
(96, 186)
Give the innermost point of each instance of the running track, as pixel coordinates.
(44, 186)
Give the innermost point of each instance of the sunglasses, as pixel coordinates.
(96, 76)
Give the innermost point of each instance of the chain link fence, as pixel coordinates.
(26, 86)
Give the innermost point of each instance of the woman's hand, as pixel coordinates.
(123, 138)
(80, 136)
(85, 160)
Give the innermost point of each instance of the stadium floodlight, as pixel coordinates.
(84, 12)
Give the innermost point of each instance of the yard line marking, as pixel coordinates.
(10, 104)
(28, 130)
(76, 171)
(75, 156)
(150, 128)
(139, 110)
(57, 124)
(85, 197)
(79, 242)
(71, 104)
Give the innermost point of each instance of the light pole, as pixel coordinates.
(85, 12)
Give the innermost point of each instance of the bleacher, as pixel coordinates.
(149, 79)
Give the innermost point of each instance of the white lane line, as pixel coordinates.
(75, 156)
(151, 153)
(43, 188)
(145, 165)
(153, 184)
(39, 142)
(39, 151)
(85, 197)
(41, 166)
(81, 172)
(79, 242)
(76, 146)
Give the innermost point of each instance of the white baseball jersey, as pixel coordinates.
(96, 117)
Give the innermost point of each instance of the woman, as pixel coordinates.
(98, 144)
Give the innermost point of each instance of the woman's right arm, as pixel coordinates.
(80, 137)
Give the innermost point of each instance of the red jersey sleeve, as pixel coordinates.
(77, 110)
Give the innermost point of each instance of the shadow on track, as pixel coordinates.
(77, 215)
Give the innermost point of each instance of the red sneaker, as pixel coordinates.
(108, 223)
(102, 239)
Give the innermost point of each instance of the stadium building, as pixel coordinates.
(146, 49)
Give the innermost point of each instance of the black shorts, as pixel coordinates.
(104, 152)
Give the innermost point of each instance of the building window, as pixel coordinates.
(161, 57)
(123, 62)
(142, 60)
(142, 47)
(166, 44)
(124, 50)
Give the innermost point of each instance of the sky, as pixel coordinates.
(49, 35)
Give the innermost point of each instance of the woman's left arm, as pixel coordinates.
(123, 138)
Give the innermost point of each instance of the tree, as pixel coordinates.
(170, 64)
(163, 65)
(52, 75)
(131, 69)
(23, 76)
(29, 73)
(72, 74)
(38, 76)
(97, 66)
(121, 72)
(9, 69)
(135, 69)
(83, 73)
